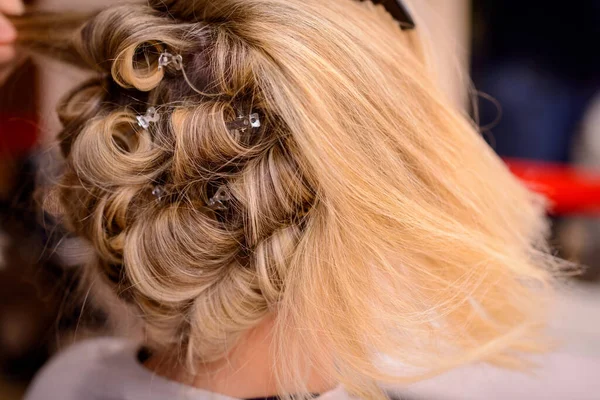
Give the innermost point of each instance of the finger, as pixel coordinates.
(14, 7)
(8, 34)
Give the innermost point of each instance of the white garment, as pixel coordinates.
(108, 369)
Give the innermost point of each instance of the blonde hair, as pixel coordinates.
(367, 214)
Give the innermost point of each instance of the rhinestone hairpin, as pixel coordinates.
(166, 58)
(159, 192)
(244, 122)
(217, 202)
(151, 116)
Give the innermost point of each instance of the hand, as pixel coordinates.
(8, 34)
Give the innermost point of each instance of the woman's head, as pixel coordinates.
(364, 213)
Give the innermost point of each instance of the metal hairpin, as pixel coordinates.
(166, 58)
(151, 116)
(244, 122)
(217, 202)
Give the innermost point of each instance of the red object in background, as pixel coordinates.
(571, 190)
(18, 135)
(18, 113)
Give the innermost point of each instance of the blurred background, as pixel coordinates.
(535, 92)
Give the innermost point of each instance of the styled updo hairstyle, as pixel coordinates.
(201, 276)
(365, 213)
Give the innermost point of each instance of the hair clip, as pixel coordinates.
(244, 122)
(218, 200)
(159, 192)
(151, 116)
(167, 58)
(399, 11)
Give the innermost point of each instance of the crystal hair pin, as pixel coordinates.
(151, 116)
(217, 202)
(244, 122)
(159, 192)
(166, 59)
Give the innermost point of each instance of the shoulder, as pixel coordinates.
(71, 374)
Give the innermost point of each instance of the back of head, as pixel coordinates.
(364, 213)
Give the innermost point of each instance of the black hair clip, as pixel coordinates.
(399, 11)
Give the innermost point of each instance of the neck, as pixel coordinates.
(247, 372)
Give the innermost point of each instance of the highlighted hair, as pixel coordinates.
(368, 215)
